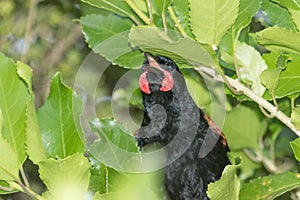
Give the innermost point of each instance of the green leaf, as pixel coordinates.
(270, 77)
(295, 144)
(272, 39)
(108, 36)
(181, 8)
(59, 121)
(9, 165)
(66, 178)
(115, 146)
(277, 15)
(116, 6)
(34, 145)
(210, 20)
(269, 187)
(105, 179)
(162, 5)
(243, 128)
(184, 50)
(296, 17)
(295, 117)
(13, 101)
(136, 187)
(293, 4)
(247, 10)
(289, 80)
(251, 65)
(227, 188)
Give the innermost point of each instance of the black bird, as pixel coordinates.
(196, 148)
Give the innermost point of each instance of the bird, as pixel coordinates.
(196, 148)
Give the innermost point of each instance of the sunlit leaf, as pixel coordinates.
(14, 96)
(227, 187)
(295, 117)
(34, 144)
(251, 66)
(295, 144)
(116, 6)
(108, 36)
(296, 17)
(66, 178)
(269, 187)
(293, 4)
(210, 20)
(59, 121)
(272, 38)
(247, 9)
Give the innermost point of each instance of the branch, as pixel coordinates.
(249, 93)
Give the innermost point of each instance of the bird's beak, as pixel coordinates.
(152, 62)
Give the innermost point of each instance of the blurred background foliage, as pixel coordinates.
(45, 35)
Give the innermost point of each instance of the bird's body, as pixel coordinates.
(196, 148)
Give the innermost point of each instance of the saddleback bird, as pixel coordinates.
(196, 149)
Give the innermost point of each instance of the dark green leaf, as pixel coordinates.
(269, 187)
(210, 20)
(108, 36)
(181, 8)
(116, 146)
(184, 50)
(162, 5)
(104, 179)
(243, 128)
(278, 15)
(59, 121)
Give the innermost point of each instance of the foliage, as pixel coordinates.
(255, 44)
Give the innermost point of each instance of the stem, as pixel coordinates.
(150, 12)
(163, 16)
(6, 189)
(259, 100)
(138, 11)
(176, 21)
(24, 177)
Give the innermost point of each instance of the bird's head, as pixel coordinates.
(158, 74)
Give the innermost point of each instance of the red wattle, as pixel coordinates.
(144, 84)
(168, 81)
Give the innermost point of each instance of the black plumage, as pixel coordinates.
(196, 148)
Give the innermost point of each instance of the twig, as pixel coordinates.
(176, 21)
(138, 11)
(259, 100)
(28, 30)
